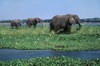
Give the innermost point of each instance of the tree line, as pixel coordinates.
(93, 20)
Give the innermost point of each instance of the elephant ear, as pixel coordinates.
(37, 20)
(72, 21)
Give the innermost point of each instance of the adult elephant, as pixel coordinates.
(64, 22)
(33, 21)
(15, 23)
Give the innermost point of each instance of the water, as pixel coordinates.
(24, 24)
(9, 54)
(48, 24)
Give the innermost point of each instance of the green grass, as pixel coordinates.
(51, 61)
(6, 30)
(88, 38)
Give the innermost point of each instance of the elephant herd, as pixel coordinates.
(29, 22)
(57, 22)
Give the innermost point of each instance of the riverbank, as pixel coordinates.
(48, 23)
(24, 23)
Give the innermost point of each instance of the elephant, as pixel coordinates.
(33, 21)
(64, 22)
(15, 23)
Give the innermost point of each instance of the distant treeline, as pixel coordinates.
(93, 20)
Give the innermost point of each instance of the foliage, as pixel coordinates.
(51, 61)
(96, 19)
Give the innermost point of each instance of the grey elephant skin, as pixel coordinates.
(15, 23)
(64, 22)
(33, 21)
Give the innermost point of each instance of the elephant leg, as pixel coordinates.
(29, 25)
(56, 28)
(65, 29)
(34, 26)
(51, 28)
(12, 27)
(69, 29)
(16, 26)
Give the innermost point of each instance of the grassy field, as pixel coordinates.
(88, 38)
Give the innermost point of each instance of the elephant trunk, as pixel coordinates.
(80, 25)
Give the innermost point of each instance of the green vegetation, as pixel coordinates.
(51, 61)
(94, 20)
(88, 38)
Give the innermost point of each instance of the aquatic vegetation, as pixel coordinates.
(51, 61)
(35, 41)
(46, 39)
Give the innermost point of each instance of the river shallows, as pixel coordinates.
(9, 54)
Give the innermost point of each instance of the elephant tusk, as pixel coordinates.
(81, 24)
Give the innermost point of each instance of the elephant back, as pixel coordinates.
(15, 22)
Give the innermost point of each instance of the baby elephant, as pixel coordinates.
(15, 23)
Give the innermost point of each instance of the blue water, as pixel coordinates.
(23, 24)
(9, 54)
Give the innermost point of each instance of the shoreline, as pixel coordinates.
(48, 23)
(23, 23)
